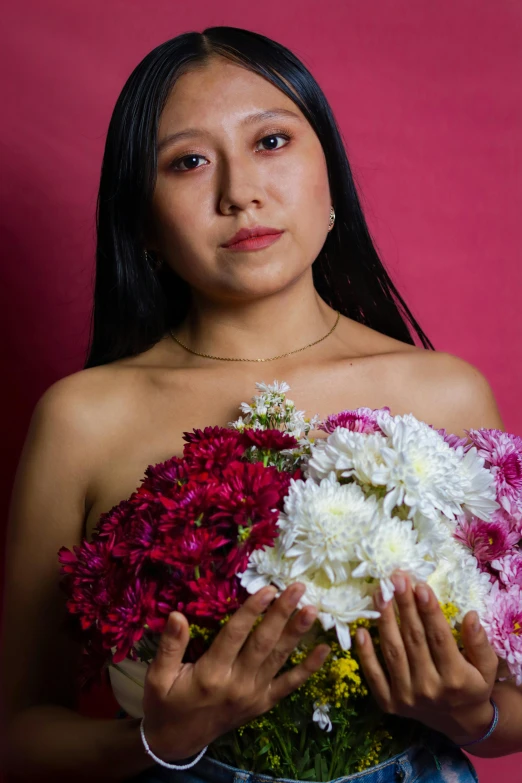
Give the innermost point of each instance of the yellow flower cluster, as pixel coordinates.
(373, 754)
(450, 611)
(336, 680)
(198, 631)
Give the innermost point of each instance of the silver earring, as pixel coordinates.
(154, 266)
(332, 219)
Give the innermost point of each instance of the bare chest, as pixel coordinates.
(151, 416)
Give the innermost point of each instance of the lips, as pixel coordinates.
(247, 233)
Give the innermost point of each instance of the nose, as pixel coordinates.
(239, 185)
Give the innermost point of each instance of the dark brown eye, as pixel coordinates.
(272, 138)
(189, 159)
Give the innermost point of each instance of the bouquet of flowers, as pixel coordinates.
(263, 502)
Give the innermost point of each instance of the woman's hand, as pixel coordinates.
(187, 706)
(429, 679)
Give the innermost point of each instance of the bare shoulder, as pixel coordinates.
(454, 392)
(89, 400)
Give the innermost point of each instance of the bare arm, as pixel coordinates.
(44, 737)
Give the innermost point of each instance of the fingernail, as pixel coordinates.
(307, 618)
(380, 603)
(399, 584)
(296, 591)
(325, 653)
(360, 636)
(475, 623)
(174, 625)
(268, 598)
(423, 594)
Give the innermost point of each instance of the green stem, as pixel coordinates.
(284, 750)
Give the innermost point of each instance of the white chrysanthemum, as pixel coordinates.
(434, 531)
(322, 523)
(422, 470)
(348, 453)
(392, 544)
(457, 579)
(267, 566)
(338, 605)
(480, 491)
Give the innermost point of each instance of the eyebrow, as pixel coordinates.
(250, 119)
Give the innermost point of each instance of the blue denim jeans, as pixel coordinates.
(436, 761)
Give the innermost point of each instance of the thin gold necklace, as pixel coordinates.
(271, 359)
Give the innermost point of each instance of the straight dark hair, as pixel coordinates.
(134, 305)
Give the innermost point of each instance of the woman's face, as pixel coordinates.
(233, 171)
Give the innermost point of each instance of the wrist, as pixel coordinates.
(166, 750)
(469, 726)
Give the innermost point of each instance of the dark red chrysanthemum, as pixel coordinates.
(175, 544)
(269, 440)
(250, 493)
(208, 451)
(215, 598)
(160, 478)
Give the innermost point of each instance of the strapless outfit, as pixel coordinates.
(435, 760)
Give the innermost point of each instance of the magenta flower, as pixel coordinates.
(358, 420)
(453, 440)
(487, 540)
(503, 624)
(502, 452)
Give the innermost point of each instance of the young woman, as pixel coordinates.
(218, 136)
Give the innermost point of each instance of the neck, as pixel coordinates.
(257, 329)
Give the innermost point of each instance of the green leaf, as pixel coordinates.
(317, 764)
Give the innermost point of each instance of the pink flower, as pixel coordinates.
(452, 440)
(358, 420)
(510, 568)
(503, 624)
(486, 540)
(502, 452)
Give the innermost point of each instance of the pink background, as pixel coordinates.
(427, 95)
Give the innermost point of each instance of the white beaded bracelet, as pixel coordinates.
(164, 763)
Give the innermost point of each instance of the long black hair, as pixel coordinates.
(134, 305)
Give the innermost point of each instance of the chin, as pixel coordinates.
(262, 285)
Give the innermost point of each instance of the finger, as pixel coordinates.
(412, 632)
(393, 648)
(373, 672)
(231, 638)
(292, 679)
(165, 666)
(477, 648)
(266, 636)
(443, 647)
(298, 625)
